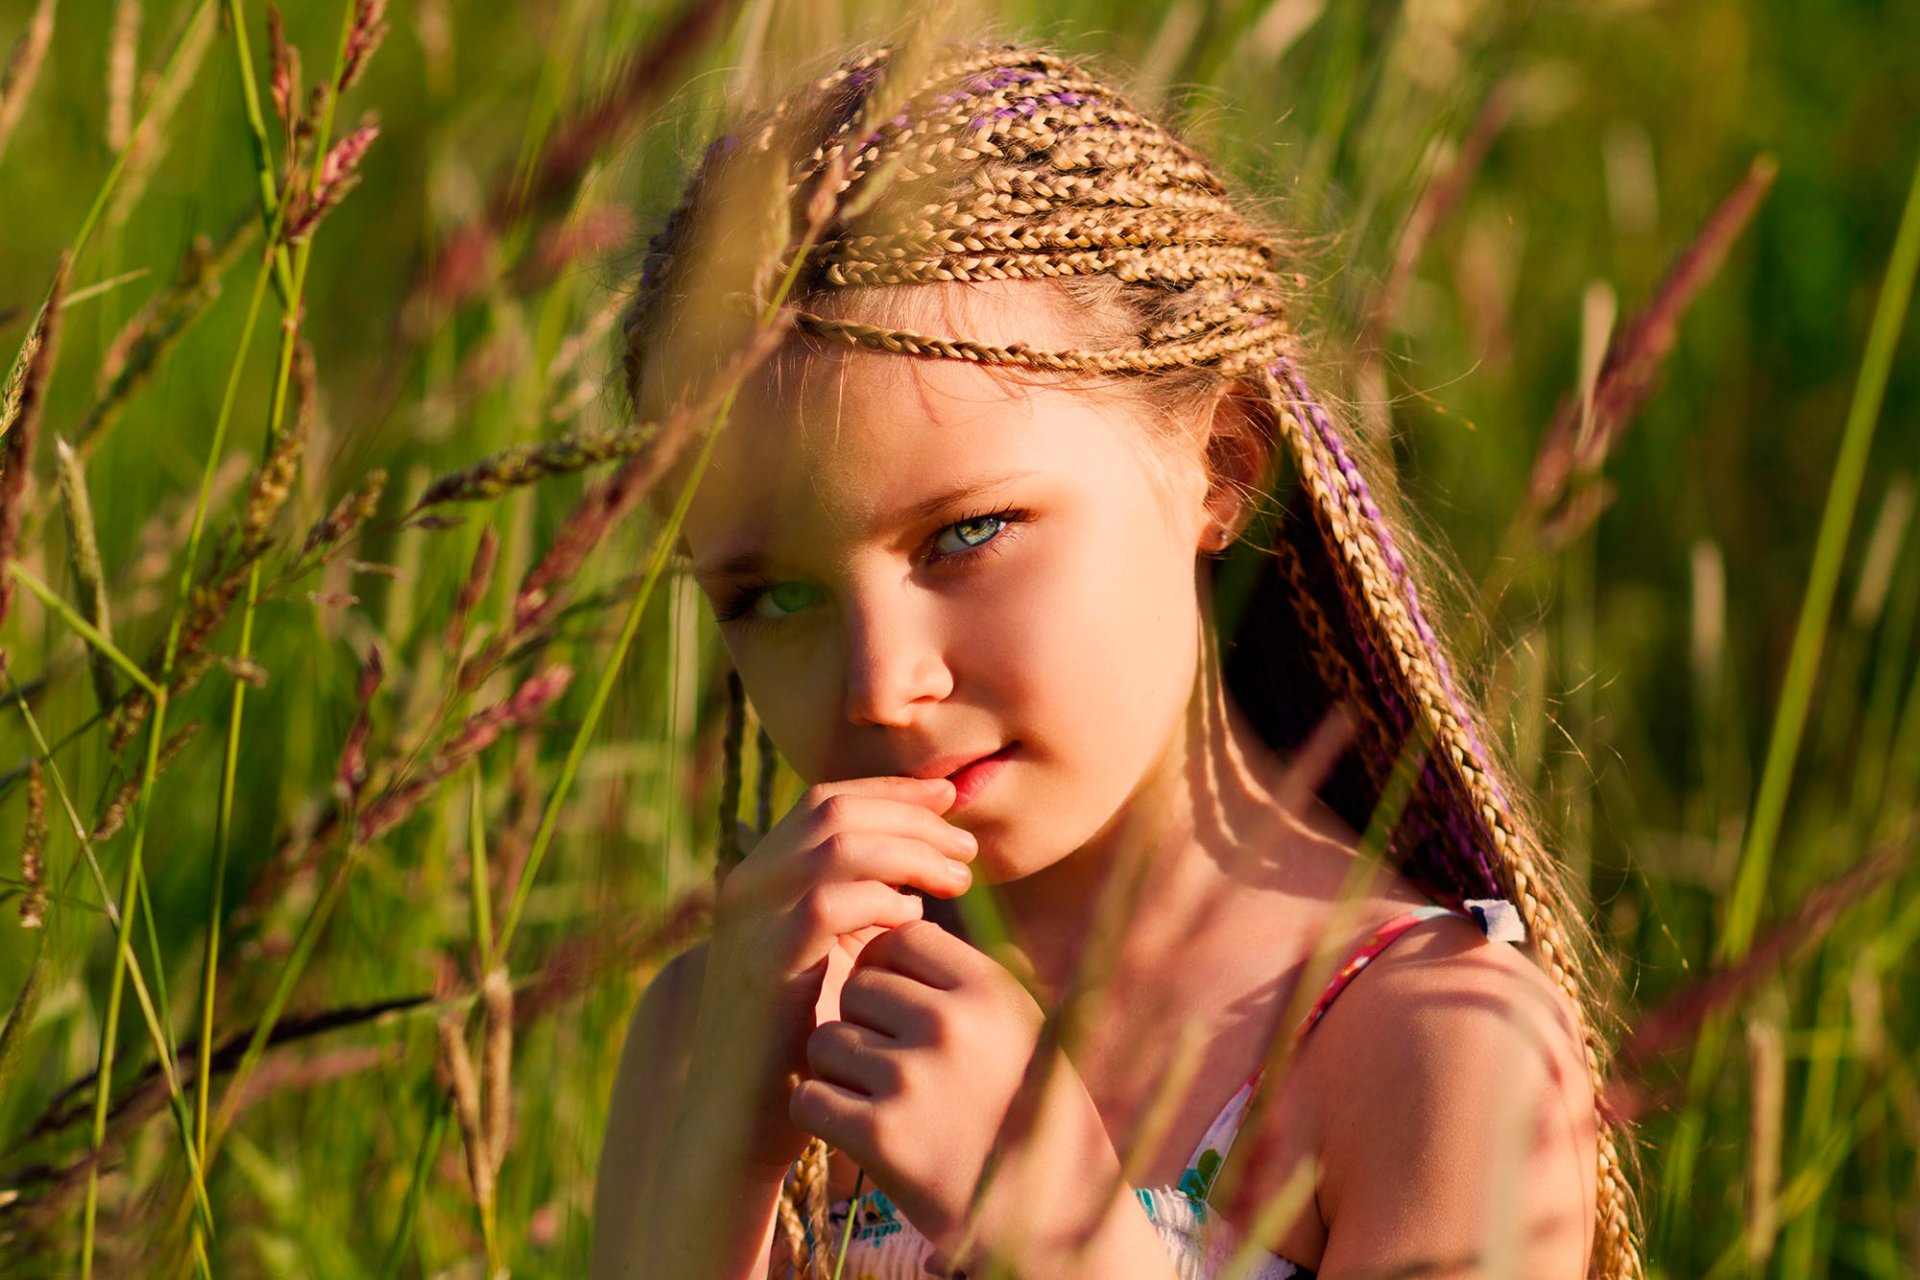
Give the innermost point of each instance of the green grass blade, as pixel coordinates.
(1803, 666)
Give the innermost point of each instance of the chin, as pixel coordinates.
(1004, 858)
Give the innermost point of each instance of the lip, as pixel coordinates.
(947, 766)
(971, 778)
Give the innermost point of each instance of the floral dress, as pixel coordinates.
(883, 1245)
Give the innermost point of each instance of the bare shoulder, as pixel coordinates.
(653, 1065)
(1458, 1112)
(660, 1030)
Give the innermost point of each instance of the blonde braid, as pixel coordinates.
(1005, 163)
(807, 1185)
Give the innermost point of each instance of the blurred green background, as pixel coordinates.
(1640, 658)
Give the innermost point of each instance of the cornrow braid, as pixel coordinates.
(999, 162)
(763, 781)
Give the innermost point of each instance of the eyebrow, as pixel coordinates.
(748, 563)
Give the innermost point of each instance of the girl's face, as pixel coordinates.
(916, 564)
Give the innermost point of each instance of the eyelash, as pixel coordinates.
(737, 608)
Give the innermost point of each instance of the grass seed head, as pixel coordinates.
(23, 68)
(83, 549)
(369, 29)
(20, 414)
(33, 846)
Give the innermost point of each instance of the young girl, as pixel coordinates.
(965, 534)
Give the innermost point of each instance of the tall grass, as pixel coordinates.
(334, 883)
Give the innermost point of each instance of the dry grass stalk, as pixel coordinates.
(1767, 1052)
(281, 1074)
(114, 816)
(402, 795)
(462, 264)
(530, 464)
(1436, 202)
(591, 233)
(479, 578)
(625, 943)
(369, 29)
(351, 774)
(244, 544)
(41, 1191)
(273, 482)
(1674, 1023)
(283, 83)
(577, 966)
(83, 547)
(496, 1067)
(339, 174)
(23, 68)
(147, 1094)
(348, 514)
(123, 64)
(245, 670)
(143, 579)
(481, 730)
(148, 146)
(456, 1064)
(33, 847)
(158, 327)
(514, 841)
(655, 450)
(1577, 443)
(20, 414)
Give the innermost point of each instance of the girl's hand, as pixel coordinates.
(793, 915)
(934, 1044)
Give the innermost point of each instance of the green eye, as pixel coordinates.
(791, 597)
(970, 534)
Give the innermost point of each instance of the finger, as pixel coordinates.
(854, 1057)
(891, 859)
(890, 1003)
(893, 815)
(834, 1113)
(827, 911)
(923, 951)
(936, 795)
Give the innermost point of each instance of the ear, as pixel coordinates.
(1239, 454)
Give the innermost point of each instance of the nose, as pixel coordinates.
(895, 657)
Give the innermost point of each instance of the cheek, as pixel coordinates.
(788, 693)
(1098, 639)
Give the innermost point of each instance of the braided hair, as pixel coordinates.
(998, 162)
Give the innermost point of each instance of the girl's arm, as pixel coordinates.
(699, 1137)
(1459, 1118)
(697, 1219)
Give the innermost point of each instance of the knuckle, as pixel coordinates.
(836, 849)
(941, 1029)
(835, 809)
(814, 909)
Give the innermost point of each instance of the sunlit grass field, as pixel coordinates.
(355, 778)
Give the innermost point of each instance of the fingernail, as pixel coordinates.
(960, 871)
(968, 841)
